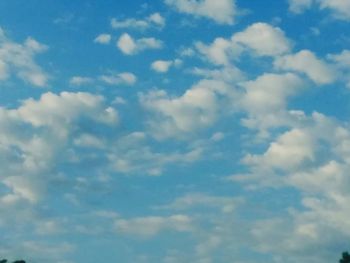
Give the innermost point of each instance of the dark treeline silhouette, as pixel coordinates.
(17, 261)
(345, 258)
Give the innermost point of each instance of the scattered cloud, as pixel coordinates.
(221, 11)
(154, 20)
(18, 59)
(130, 46)
(103, 39)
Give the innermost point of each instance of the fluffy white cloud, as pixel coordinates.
(289, 152)
(163, 66)
(306, 62)
(340, 9)
(130, 46)
(259, 39)
(263, 39)
(197, 108)
(221, 11)
(18, 59)
(154, 20)
(219, 52)
(150, 226)
(50, 122)
(263, 110)
(103, 39)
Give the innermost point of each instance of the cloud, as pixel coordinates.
(306, 62)
(290, 151)
(189, 201)
(263, 39)
(79, 80)
(259, 39)
(163, 66)
(197, 108)
(265, 111)
(155, 20)
(152, 225)
(299, 6)
(103, 39)
(219, 52)
(130, 46)
(221, 11)
(111, 78)
(340, 9)
(29, 159)
(18, 59)
(125, 78)
(131, 154)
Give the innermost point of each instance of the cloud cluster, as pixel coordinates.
(340, 9)
(130, 46)
(154, 20)
(18, 59)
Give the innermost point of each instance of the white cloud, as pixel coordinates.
(228, 74)
(79, 80)
(103, 39)
(130, 46)
(18, 59)
(161, 66)
(306, 62)
(221, 11)
(342, 60)
(266, 111)
(189, 201)
(259, 39)
(197, 108)
(50, 124)
(299, 6)
(152, 225)
(125, 78)
(290, 151)
(340, 9)
(219, 52)
(263, 39)
(130, 154)
(154, 20)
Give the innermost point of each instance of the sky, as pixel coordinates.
(174, 131)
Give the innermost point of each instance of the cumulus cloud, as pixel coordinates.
(152, 225)
(221, 11)
(197, 108)
(340, 9)
(259, 39)
(18, 59)
(263, 39)
(263, 110)
(130, 46)
(155, 20)
(103, 39)
(163, 66)
(306, 62)
(49, 123)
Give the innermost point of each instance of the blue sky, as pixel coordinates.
(174, 131)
